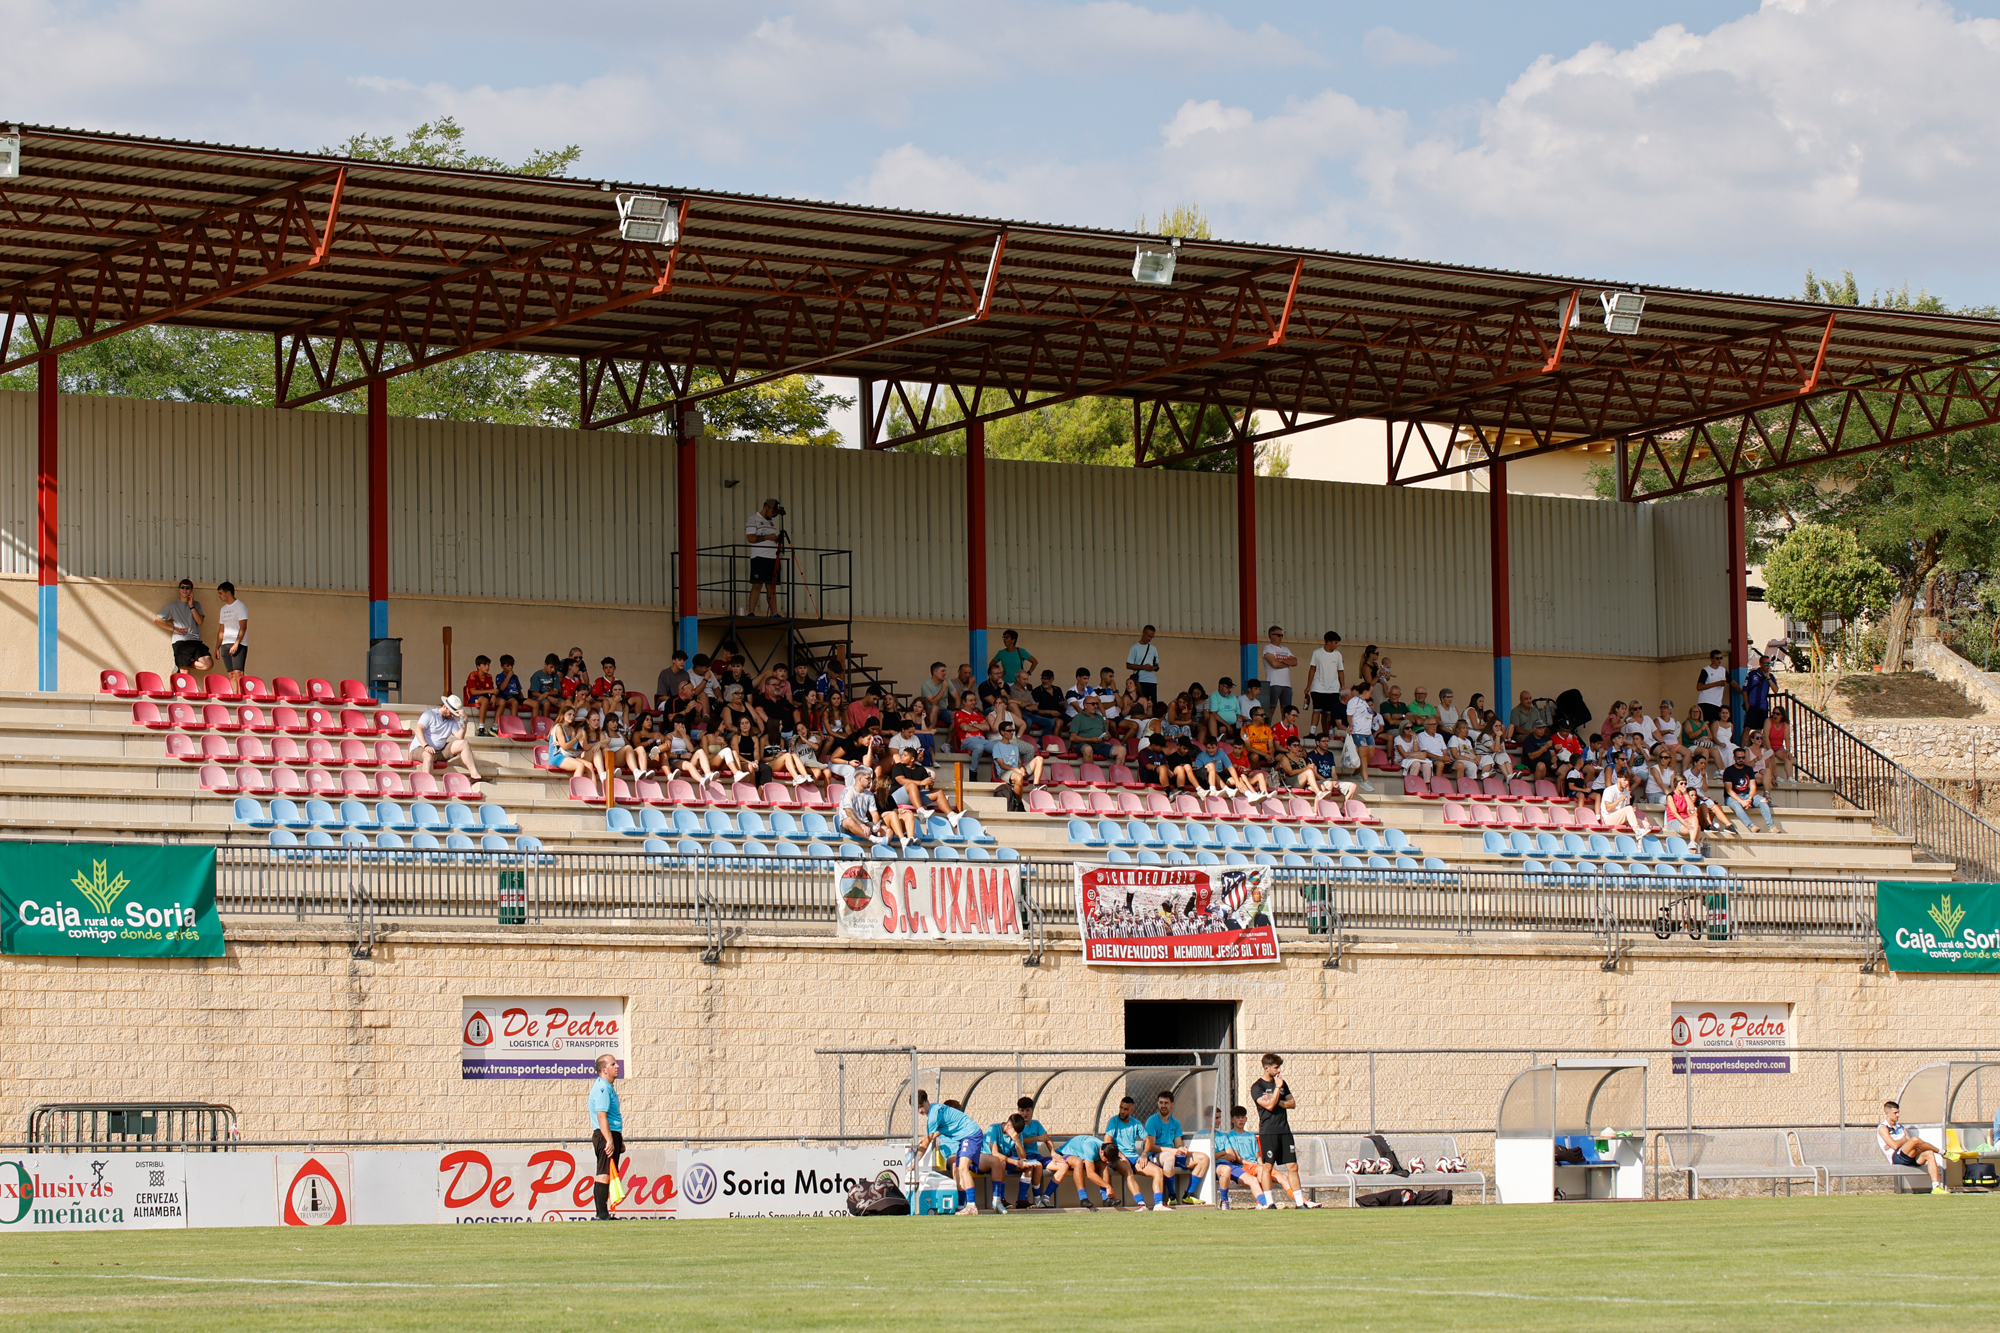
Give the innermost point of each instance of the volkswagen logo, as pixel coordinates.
(698, 1185)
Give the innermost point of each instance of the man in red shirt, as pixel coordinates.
(602, 686)
(968, 733)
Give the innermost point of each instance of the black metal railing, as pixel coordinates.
(814, 583)
(133, 1126)
(1864, 777)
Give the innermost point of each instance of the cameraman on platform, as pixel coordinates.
(765, 539)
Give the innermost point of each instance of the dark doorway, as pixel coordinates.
(1164, 1024)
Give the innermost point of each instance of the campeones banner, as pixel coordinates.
(101, 900)
(922, 901)
(1190, 916)
(1939, 927)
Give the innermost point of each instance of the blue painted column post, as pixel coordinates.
(975, 547)
(1502, 571)
(1246, 557)
(378, 517)
(688, 637)
(46, 546)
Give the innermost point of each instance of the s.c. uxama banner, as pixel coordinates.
(99, 900)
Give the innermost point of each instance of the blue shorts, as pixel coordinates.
(972, 1148)
(1236, 1171)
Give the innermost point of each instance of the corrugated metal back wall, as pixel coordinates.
(272, 498)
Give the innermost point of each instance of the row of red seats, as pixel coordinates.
(1518, 790)
(284, 718)
(252, 781)
(320, 751)
(1156, 805)
(1553, 817)
(744, 795)
(182, 685)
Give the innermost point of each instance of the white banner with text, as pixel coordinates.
(924, 901)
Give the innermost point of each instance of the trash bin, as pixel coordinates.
(1318, 910)
(513, 898)
(385, 664)
(1718, 915)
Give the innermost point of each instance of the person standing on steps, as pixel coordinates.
(607, 1131)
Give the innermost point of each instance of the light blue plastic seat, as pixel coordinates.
(652, 820)
(249, 812)
(495, 819)
(458, 816)
(1264, 859)
(390, 815)
(352, 838)
(1617, 868)
(285, 812)
(282, 837)
(1379, 862)
(1082, 834)
(1601, 848)
(689, 847)
(527, 842)
(1007, 853)
(1548, 844)
(1367, 840)
(1113, 834)
(1439, 872)
(1519, 843)
(1677, 849)
(784, 824)
(389, 842)
(974, 831)
(356, 814)
(1534, 868)
(1207, 858)
(656, 847)
(718, 824)
(1666, 869)
(1200, 837)
(750, 824)
(915, 853)
(812, 821)
(1171, 835)
(1396, 840)
(789, 851)
(1586, 868)
(1628, 847)
(978, 854)
(1313, 839)
(1227, 837)
(1146, 856)
(1574, 846)
(882, 851)
(1407, 863)
(427, 842)
(1255, 839)
(1341, 840)
(323, 815)
(1285, 838)
(319, 837)
(1235, 859)
(426, 816)
(1717, 872)
(755, 847)
(1494, 843)
(1321, 861)
(688, 824)
(1292, 859)
(1349, 862)
(1142, 834)
(619, 820)
(1118, 856)
(457, 842)
(945, 854)
(492, 842)
(819, 851)
(1177, 857)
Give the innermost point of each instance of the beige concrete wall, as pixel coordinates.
(306, 1041)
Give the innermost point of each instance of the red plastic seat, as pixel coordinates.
(322, 783)
(356, 754)
(388, 724)
(622, 793)
(650, 793)
(1093, 775)
(217, 717)
(354, 691)
(1415, 786)
(812, 798)
(714, 793)
(748, 797)
(543, 725)
(1122, 776)
(354, 782)
(286, 781)
(214, 779)
(1537, 816)
(184, 687)
(1216, 807)
(1187, 806)
(583, 787)
(1129, 804)
(286, 750)
(184, 748)
(1546, 790)
(182, 717)
(390, 755)
(1073, 803)
(217, 748)
(1467, 788)
(1523, 793)
(287, 691)
(251, 750)
(257, 692)
(288, 720)
(150, 685)
(425, 784)
(1357, 811)
(321, 692)
(324, 722)
(252, 782)
(1492, 788)
(253, 719)
(218, 687)
(146, 714)
(320, 750)
(1559, 817)
(391, 785)
(1041, 803)
(1439, 789)
(1485, 816)
(512, 728)
(1334, 811)
(459, 788)
(114, 684)
(1511, 817)
(1101, 804)
(778, 796)
(1157, 804)
(1305, 812)
(1454, 813)
(1241, 810)
(1059, 774)
(541, 758)
(681, 792)
(355, 723)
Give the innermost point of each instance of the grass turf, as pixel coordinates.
(1725, 1264)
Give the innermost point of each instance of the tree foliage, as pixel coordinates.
(1820, 572)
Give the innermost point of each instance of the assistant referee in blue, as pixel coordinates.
(607, 1131)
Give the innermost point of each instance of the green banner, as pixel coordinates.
(1939, 927)
(101, 900)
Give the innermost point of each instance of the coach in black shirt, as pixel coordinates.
(1277, 1148)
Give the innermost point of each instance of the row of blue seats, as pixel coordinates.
(393, 842)
(1560, 870)
(783, 824)
(820, 851)
(385, 816)
(1429, 870)
(1595, 847)
(1164, 836)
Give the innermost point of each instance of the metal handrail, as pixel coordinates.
(1867, 779)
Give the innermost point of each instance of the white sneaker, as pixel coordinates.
(1368, 786)
(1267, 1207)
(969, 1210)
(1000, 1208)
(1161, 1208)
(1312, 1203)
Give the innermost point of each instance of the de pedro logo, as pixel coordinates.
(83, 900)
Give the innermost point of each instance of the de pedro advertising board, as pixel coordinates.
(99, 900)
(1939, 927)
(549, 1184)
(78, 1192)
(921, 901)
(778, 1181)
(540, 1037)
(1732, 1038)
(1184, 916)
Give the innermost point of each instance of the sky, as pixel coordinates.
(1716, 144)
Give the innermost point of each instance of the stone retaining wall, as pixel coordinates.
(1944, 749)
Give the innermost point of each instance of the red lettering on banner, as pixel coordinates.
(516, 1023)
(546, 1183)
(886, 891)
(457, 1162)
(1010, 921)
(961, 920)
(989, 907)
(913, 917)
(502, 1193)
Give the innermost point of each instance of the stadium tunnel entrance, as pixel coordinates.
(1197, 1082)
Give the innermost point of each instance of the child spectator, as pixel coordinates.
(575, 685)
(602, 686)
(478, 691)
(1253, 696)
(1362, 724)
(669, 683)
(506, 689)
(1285, 730)
(545, 688)
(1259, 741)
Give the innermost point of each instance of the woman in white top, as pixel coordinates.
(1667, 732)
(1616, 809)
(1463, 761)
(1414, 765)
(1490, 749)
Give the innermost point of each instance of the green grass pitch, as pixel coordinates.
(1725, 1264)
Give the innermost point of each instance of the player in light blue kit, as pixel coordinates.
(1035, 1141)
(1091, 1161)
(1128, 1132)
(1163, 1147)
(1236, 1159)
(1007, 1156)
(964, 1144)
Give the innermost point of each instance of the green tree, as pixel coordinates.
(1820, 573)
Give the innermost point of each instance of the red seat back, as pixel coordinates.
(391, 784)
(355, 722)
(285, 748)
(288, 719)
(147, 714)
(356, 783)
(185, 687)
(288, 689)
(253, 687)
(583, 787)
(214, 779)
(182, 747)
(320, 750)
(215, 715)
(151, 685)
(357, 691)
(512, 728)
(183, 716)
(217, 747)
(113, 683)
(252, 747)
(218, 687)
(253, 718)
(1102, 804)
(320, 691)
(424, 784)
(319, 782)
(323, 721)
(285, 779)
(354, 752)
(249, 779)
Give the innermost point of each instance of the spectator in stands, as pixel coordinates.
(1902, 1146)
(650, 745)
(716, 755)
(1204, 722)
(688, 709)
(478, 691)
(1431, 745)
(1408, 757)
(1323, 771)
(766, 542)
(545, 688)
(182, 619)
(1393, 710)
(1538, 755)
(1278, 663)
(669, 683)
(1015, 765)
(1045, 716)
(1253, 698)
(1285, 728)
(1074, 696)
(866, 709)
(1421, 707)
(1568, 747)
(1179, 722)
(994, 688)
(1743, 793)
(1012, 657)
(1681, 815)
(575, 686)
(1476, 714)
(1615, 807)
(707, 684)
(1090, 735)
(1211, 765)
(916, 788)
(1777, 735)
(1259, 741)
(440, 736)
(507, 691)
(232, 639)
(1462, 760)
(1142, 659)
(860, 816)
(1362, 725)
(567, 752)
(1712, 685)
(971, 733)
(1527, 715)
(1448, 714)
(1757, 695)
(1369, 675)
(1225, 707)
(1696, 737)
(935, 692)
(961, 686)
(1154, 763)
(608, 678)
(1326, 683)
(1489, 747)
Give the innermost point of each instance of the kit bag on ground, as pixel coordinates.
(1395, 1162)
(1404, 1198)
(878, 1198)
(1568, 1156)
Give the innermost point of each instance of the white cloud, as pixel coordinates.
(1386, 46)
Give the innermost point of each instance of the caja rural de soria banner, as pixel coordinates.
(1185, 916)
(1939, 927)
(103, 900)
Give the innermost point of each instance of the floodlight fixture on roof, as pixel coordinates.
(1153, 263)
(1622, 311)
(647, 219)
(10, 154)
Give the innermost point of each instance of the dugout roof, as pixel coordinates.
(362, 270)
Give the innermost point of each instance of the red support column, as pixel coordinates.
(47, 548)
(1739, 612)
(688, 514)
(378, 510)
(1246, 555)
(975, 546)
(1500, 566)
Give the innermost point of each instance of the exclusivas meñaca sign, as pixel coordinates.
(101, 900)
(1939, 927)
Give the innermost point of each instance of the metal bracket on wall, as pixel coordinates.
(709, 912)
(1614, 948)
(363, 914)
(1337, 941)
(1876, 957)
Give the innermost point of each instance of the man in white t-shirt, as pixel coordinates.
(1278, 663)
(441, 735)
(762, 533)
(1326, 681)
(233, 640)
(1712, 687)
(1143, 660)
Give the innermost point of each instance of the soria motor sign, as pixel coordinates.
(517, 1036)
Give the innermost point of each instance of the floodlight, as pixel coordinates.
(1153, 264)
(10, 156)
(1622, 311)
(647, 219)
